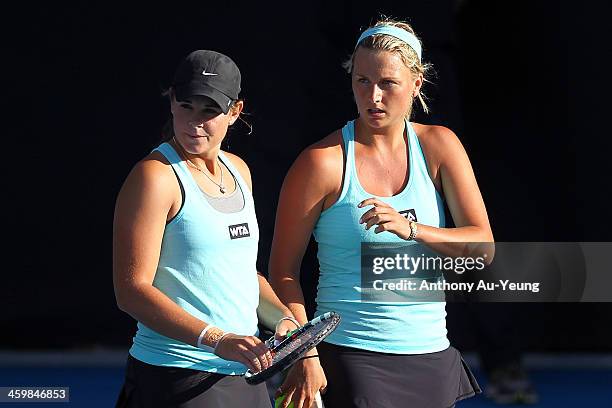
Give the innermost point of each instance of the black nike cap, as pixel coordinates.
(208, 73)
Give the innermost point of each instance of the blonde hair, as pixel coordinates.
(383, 42)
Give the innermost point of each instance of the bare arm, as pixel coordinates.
(314, 178)
(270, 309)
(461, 192)
(140, 217)
(464, 202)
(315, 174)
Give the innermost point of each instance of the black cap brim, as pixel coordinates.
(195, 88)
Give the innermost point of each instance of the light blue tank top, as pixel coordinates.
(401, 328)
(207, 267)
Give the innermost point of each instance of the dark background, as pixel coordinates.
(524, 85)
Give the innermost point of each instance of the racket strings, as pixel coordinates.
(295, 344)
(292, 348)
(309, 336)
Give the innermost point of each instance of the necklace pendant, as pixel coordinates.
(222, 189)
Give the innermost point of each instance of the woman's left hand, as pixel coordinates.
(385, 217)
(303, 381)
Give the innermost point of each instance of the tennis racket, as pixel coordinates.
(295, 345)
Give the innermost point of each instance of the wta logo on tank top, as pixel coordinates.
(410, 215)
(239, 231)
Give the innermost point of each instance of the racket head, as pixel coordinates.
(298, 343)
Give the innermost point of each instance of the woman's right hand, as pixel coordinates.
(248, 350)
(302, 383)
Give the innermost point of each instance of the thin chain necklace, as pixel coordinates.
(220, 184)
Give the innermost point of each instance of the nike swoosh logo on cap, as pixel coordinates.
(208, 73)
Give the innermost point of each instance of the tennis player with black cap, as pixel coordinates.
(184, 251)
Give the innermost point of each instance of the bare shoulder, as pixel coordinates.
(323, 158)
(151, 177)
(438, 142)
(154, 168)
(436, 137)
(314, 180)
(242, 167)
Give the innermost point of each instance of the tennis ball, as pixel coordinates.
(278, 401)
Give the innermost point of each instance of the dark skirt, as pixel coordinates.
(170, 387)
(361, 378)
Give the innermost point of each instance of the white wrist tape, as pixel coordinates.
(200, 344)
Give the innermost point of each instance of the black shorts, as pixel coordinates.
(170, 387)
(361, 378)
